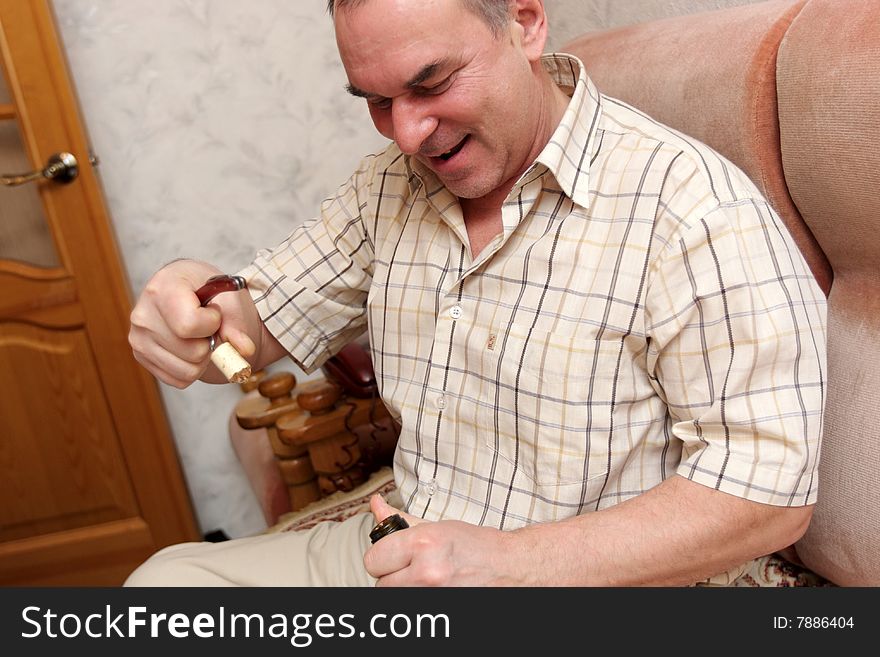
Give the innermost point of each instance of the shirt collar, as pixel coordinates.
(572, 145)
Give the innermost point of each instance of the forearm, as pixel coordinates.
(678, 533)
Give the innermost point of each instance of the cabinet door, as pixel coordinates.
(90, 484)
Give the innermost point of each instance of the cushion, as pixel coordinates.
(711, 75)
(829, 108)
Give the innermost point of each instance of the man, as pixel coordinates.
(604, 350)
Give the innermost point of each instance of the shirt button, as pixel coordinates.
(430, 488)
(455, 312)
(441, 402)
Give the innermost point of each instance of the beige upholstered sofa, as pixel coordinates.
(790, 91)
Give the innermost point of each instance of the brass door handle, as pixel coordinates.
(61, 167)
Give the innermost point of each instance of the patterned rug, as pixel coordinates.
(339, 506)
(773, 570)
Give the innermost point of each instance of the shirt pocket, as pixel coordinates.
(539, 419)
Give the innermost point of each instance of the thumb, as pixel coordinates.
(381, 510)
(236, 326)
(240, 340)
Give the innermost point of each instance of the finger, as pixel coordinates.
(381, 510)
(150, 342)
(399, 578)
(164, 377)
(170, 369)
(170, 301)
(239, 339)
(195, 351)
(188, 320)
(169, 380)
(388, 555)
(239, 320)
(181, 333)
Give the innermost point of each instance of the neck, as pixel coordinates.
(482, 216)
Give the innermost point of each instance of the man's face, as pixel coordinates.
(444, 88)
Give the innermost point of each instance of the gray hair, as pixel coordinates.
(495, 13)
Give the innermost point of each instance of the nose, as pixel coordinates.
(411, 124)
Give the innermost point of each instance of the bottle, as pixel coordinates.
(389, 525)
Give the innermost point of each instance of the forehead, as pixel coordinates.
(384, 42)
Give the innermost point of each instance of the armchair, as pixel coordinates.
(790, 91)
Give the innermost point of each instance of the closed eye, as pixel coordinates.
(382, 103)
(379, 102)
(436, 89)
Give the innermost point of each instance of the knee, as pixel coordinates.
(173, 566)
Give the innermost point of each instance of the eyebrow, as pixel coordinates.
(425, 73)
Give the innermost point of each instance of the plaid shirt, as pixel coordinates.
(644, 313)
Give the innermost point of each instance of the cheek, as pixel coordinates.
(382, 121)
(478, 103)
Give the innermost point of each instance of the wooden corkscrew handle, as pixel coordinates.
(227, 359)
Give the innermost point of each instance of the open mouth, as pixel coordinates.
(453, 151)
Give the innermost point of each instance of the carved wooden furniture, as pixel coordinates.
(323, 439)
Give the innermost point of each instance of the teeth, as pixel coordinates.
(452, 151)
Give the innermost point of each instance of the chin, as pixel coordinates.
(469, 189)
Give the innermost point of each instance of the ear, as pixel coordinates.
(530, 17)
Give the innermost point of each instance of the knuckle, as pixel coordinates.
(140, 360)
(189, 372)
(434, 575)
(425, 541)
(181, 377)
(186, 325)
(152, 290)
(197, 323)
(369, 560)
(138, 316)
(177, 383)
(201, 351)
(136, 340)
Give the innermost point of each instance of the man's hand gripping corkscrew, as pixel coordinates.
(224, 356)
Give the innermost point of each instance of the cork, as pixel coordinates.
(235, 368)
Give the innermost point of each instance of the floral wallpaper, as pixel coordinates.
(219, 126)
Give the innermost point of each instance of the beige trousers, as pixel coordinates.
(330, 554)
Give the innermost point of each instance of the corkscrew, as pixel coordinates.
(227, 359)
